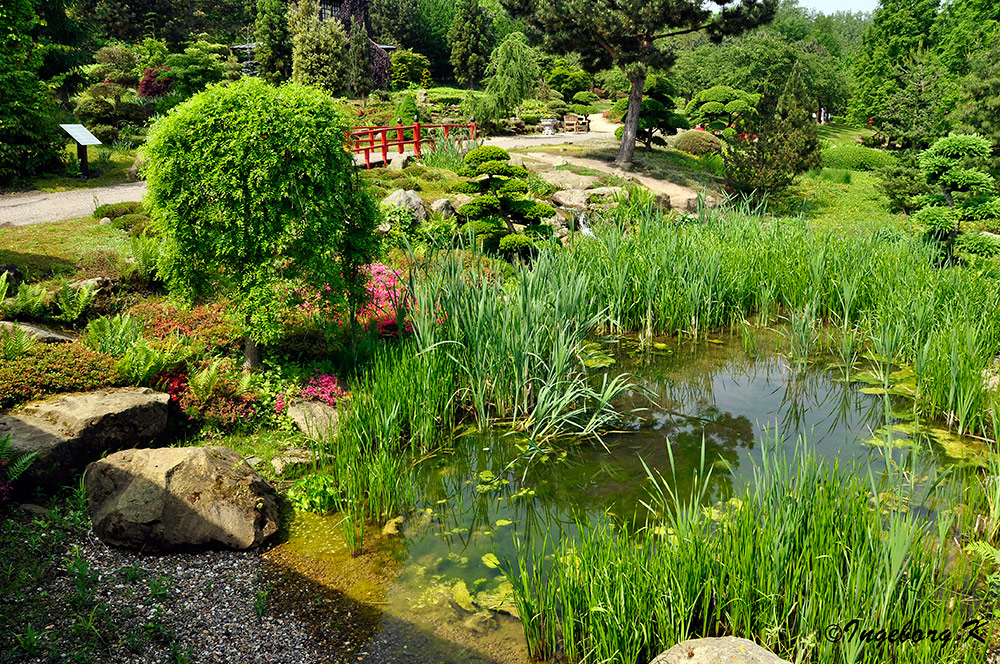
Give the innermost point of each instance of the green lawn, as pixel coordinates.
(838, 135)
(101, 174)
(59, 247)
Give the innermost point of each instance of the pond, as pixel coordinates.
(429, 589)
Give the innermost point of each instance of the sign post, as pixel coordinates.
(83, 138)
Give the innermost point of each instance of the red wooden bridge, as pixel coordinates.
(365, 140)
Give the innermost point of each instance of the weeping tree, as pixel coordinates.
(255, 197)
(634, 35)
(513, 72)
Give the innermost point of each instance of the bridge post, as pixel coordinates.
(416, 135)
(399, 133)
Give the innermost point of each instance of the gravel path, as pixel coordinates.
(197, 608)
(35, 207)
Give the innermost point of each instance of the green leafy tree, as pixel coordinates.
(255, 195)
(633, 36)
(274, 42)
(722, 108)
(512, 73)
(318, 48)
(794, 109)
(407, 67)
(359, 62)
(429, 34)
(470, 36)
(568, 80)
(657, 117)
(198, 66)
(899, 28)
(978, 108)
(27, 136)
(917, 111)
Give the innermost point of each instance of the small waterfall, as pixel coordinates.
(580, 218)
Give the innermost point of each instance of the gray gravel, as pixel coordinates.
(196, 608)
(35, 207)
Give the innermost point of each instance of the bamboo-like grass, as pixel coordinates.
(806, 546)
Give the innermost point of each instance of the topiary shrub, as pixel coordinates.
(528, 211)
(471, 188)
(104, 133)
(478, 208)
(500, 169)
(698, 142)
(531, 119)
(857, 158)
(516, 245)
(979, 208)
(904, 186)
(512, 187)
(938, 221)
(115, 210)
(484, 154)
(977, 244)
(586, 97)
(539, 231)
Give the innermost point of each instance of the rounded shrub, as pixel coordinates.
(471, 188)
(484, 206)
(501, 169)
(698, 142)
(516, 245)
(513, 187)
(529, 211)
(857, 158)
(977, 244)
(937, 219)
(115, 210)
(484, 154)
(585, 97)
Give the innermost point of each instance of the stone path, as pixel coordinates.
(679, 197)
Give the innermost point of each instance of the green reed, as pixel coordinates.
(653, 273)
(805, 546)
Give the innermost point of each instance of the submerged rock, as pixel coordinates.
(172, 498)
(717, 650)
(69, 431)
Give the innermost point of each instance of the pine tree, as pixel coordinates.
(393, 21)
(794, 116)
(359, 62)
(318, 48)
(274, 49)
(470, 36)
(634, 36)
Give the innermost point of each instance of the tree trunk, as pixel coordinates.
(251, 352)
(627, 148)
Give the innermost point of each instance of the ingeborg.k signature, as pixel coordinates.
(907, 633)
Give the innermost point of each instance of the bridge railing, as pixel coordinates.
(365, 140)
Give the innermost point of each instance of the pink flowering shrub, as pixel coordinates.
(323, 388)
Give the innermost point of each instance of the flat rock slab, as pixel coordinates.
(69, 431)
(568, 180)
(570, 198)
(43, 334)
(292, 461)
(721, 650)
(179, 498)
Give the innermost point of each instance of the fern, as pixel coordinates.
(16, 463)
(71, 303)
(15, 341)
(113, 336)
(4, 286)
(29, 302)
(146, 252)
(142, 361)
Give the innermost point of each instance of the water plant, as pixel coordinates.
(807, 546)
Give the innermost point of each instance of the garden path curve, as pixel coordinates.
(35, 207)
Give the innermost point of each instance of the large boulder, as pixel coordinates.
(69, 431)
(408, 199)
(42, 334)
(315, 419)
(399, 162)
(178, 498)
(570, 198)
(728, 649)
(443, 207)
(568, 180)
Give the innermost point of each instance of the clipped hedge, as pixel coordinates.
(698, 142)
(857, 158)
(486, 153)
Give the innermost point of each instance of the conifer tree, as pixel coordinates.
(794, 115)
(318, 48)
(359, 62)
(274, 49)
(470, 37)
(633, 35)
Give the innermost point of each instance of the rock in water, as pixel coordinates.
(408, 199)
(69, 431)
(177, 498)
(726, 649)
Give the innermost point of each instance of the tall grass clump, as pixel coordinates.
(653, 273)
(806, 546)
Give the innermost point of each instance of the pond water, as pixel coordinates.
(433, 593)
